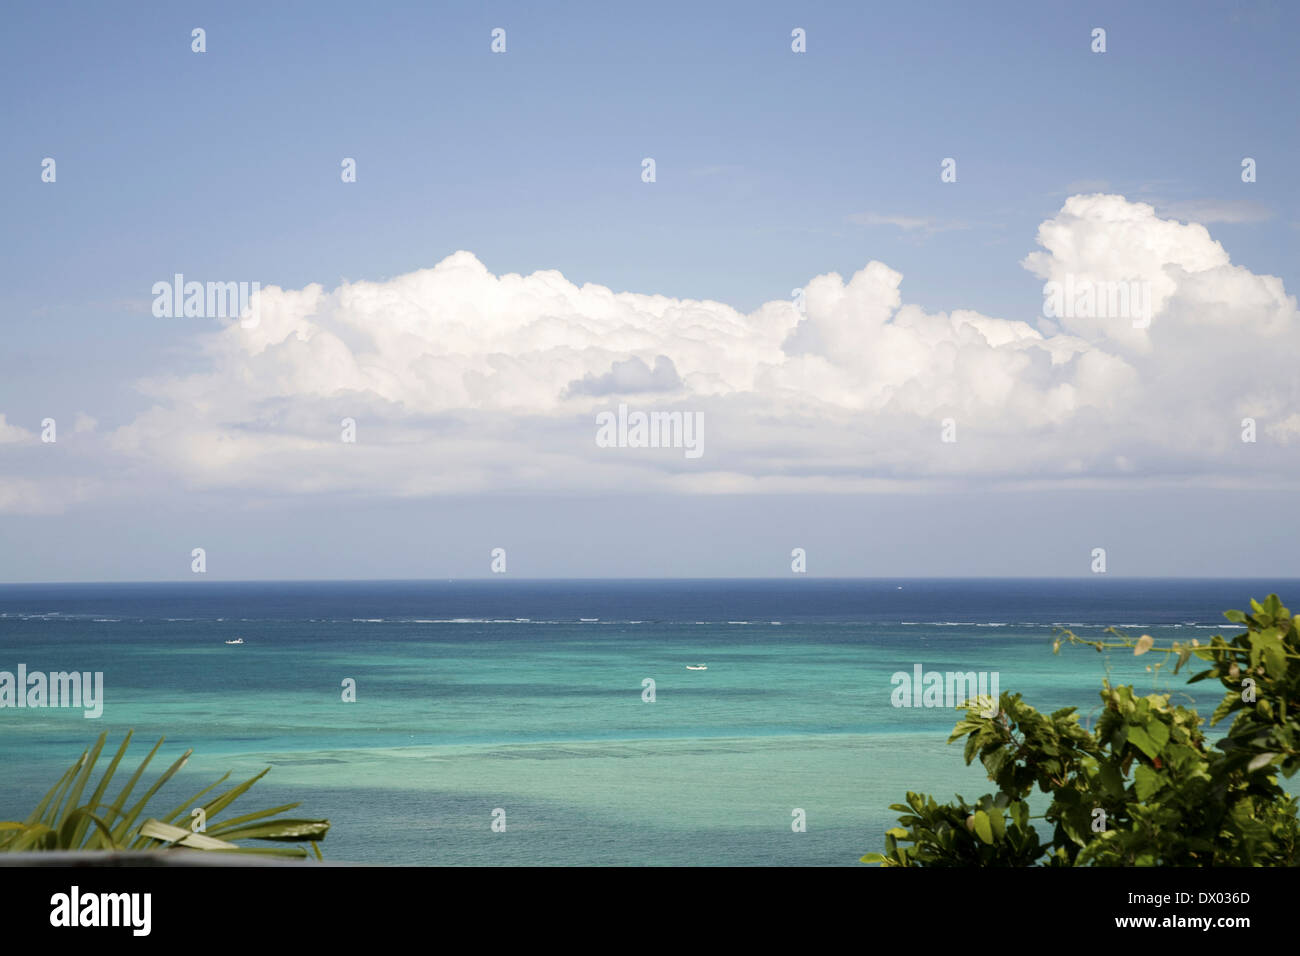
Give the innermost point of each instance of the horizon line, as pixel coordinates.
(542, 580)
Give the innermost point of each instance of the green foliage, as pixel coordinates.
(61, 821)
(1142, 788)
(993, 832)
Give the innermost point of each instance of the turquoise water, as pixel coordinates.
(475, 696)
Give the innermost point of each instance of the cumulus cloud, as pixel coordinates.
(460, 380)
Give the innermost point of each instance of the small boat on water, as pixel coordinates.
(238, 640)
(697, 667)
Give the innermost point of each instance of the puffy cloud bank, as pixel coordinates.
(459, 380)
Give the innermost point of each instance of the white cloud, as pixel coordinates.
(1287, 430)
(630, 377)
(40, 478)
(12, 433)
(464, 381)
(46, 495)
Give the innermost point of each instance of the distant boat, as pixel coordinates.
(697, 667)
(238, 640)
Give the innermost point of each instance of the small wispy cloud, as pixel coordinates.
(1215, 210)
(913, 224)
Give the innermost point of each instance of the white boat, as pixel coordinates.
(697, 667)
(238, 640)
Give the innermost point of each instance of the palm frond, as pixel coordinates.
(61, 821)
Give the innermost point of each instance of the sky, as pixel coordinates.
(839, 270)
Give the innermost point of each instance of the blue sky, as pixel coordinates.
(772, 168)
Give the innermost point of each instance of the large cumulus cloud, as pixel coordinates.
(460, 380)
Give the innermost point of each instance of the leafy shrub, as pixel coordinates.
(1143, 788)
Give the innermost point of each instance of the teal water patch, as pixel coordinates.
(646, 802)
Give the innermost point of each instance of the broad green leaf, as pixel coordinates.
(1146, 781)
(1142, 740)
(997, 824)
(1275, 659)
(1260, 760)
(1020, 813)
(1111, 779)
(1159, 733)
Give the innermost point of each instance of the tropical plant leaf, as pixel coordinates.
(61, 822)
(294, 831)
(120, 831)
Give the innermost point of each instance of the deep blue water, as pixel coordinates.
(1095, 600)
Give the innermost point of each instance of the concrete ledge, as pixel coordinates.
(105, 858)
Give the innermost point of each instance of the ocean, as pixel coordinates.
(525, 702)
